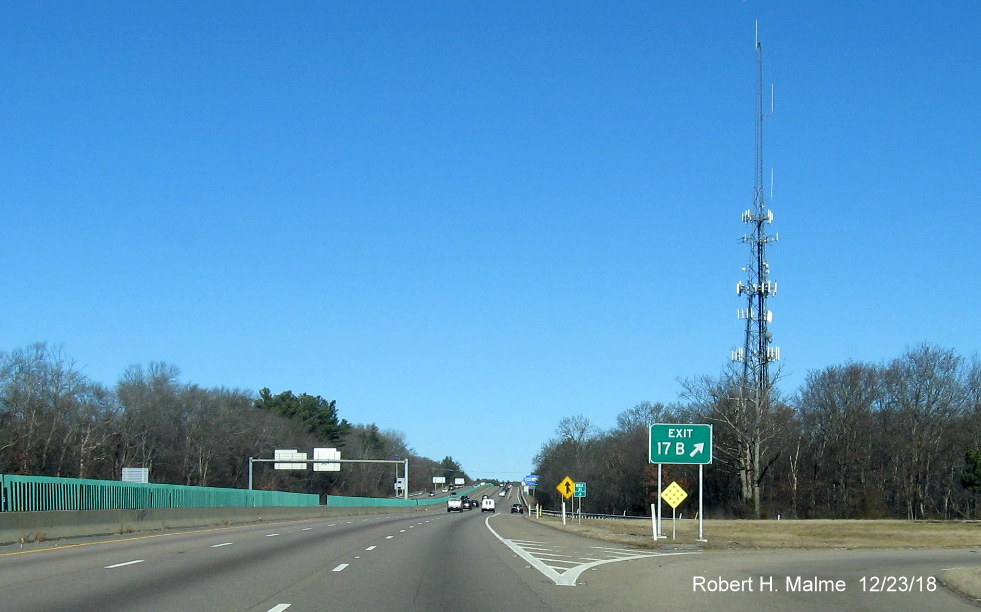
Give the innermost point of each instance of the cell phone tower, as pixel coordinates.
(756, 355)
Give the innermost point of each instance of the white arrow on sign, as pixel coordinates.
(699, 447)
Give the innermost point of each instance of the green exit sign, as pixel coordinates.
(683, 443)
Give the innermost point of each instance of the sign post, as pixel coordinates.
(685, 444)
(567, 487)
(674, 495)
(657, 527)
(580, 493)
(701, 535)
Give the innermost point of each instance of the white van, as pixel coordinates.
(487, 505)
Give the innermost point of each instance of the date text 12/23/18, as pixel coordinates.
(814, 584)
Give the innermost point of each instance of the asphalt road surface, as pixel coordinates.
(436, 561)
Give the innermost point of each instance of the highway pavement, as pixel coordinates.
(435, 561)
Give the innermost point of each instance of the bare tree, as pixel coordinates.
(153, 418)
(925, 397)
(838, 410)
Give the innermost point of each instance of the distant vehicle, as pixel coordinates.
(517, 508)
(502, 493)
(487, 505)
(455, 504)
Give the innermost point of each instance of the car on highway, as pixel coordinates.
(454, 505)
(487, 505)
(517, 508)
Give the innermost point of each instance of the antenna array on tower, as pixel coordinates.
(756, 353)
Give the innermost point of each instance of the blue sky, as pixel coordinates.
(466, 220)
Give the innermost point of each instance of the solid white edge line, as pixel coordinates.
(115, 565)
(535, 563)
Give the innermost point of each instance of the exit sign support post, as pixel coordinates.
(680, 444)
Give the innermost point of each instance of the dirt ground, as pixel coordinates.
(722, 534)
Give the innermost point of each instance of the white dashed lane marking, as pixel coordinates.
(343, 566)
(115, 565)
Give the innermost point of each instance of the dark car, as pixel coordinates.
(517, 508)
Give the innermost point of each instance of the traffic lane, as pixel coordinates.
(121, 579)
(20, 566)
(202, 575)
(757, 581)
(454, 565)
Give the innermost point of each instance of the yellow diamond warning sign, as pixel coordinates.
(567, 487)
(674, 495)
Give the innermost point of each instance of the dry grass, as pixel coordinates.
(815, 534)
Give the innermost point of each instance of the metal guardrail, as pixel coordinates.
(527, 503)
(597, 516)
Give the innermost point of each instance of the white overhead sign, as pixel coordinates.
(326, 453)
(439, 479)
(285, 455)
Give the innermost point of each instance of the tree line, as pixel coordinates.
(900, 439)
(55, 421)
